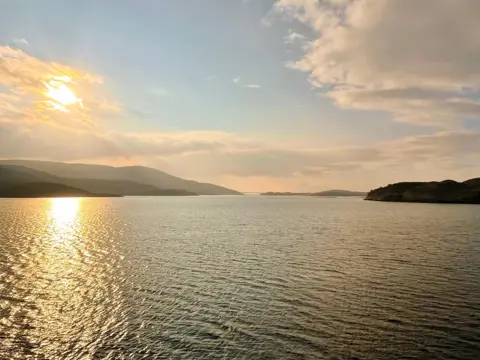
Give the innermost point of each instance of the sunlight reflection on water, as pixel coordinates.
(59, 274)
(249, 277)
(64, 211)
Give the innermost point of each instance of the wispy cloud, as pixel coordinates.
(238, 80)
(160, 91)
(293, 37)
(20, 41)
(222, 154)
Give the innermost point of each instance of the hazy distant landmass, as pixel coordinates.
(44, 189)
(447, 191)
(321, 193)
(126, 181)
(272, 193)
(339, 193)
(22, 182)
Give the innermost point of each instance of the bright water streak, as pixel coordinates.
(238, 278)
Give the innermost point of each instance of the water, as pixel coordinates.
(238, 278)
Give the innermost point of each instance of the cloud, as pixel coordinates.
(38, 90)
(26, 73)
(293, 37)
(226, 158)
(20, 42)
(44, 141)
(237, 80)
(160, 91)
(417, 106)
(446, 154)
(401, 50)
(349, 59)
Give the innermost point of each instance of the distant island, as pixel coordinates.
(447, 191)
(29, 178)
(328, 193)
(339, 193)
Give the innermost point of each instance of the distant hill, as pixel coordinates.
(138, 174)
(15, 174)
(44, 189)
(123, 187)
(321, 193)
(272, 193)
(339, 193)
(447, 191)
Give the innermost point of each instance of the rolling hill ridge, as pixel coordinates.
(125, 181)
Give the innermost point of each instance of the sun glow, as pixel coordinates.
(62, 96)
(64, 211)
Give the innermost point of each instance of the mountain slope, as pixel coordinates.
(15, 174)
(123, 187)
(138, 174)
(45, 189)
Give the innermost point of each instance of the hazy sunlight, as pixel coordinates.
(61, 94)
(64, 211)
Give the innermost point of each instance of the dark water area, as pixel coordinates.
(238, 278)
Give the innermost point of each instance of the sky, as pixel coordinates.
(255, 95)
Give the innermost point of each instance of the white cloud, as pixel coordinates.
(20, 42)
(417, 106)
(160, 91)
(421, 55)
(237, 80)
(293, 37)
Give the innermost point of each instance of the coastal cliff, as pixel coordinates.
(447, 191)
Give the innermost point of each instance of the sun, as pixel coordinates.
(60, 93)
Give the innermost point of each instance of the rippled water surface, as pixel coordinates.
(238, 278)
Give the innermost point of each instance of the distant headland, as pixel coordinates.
(447, 191)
